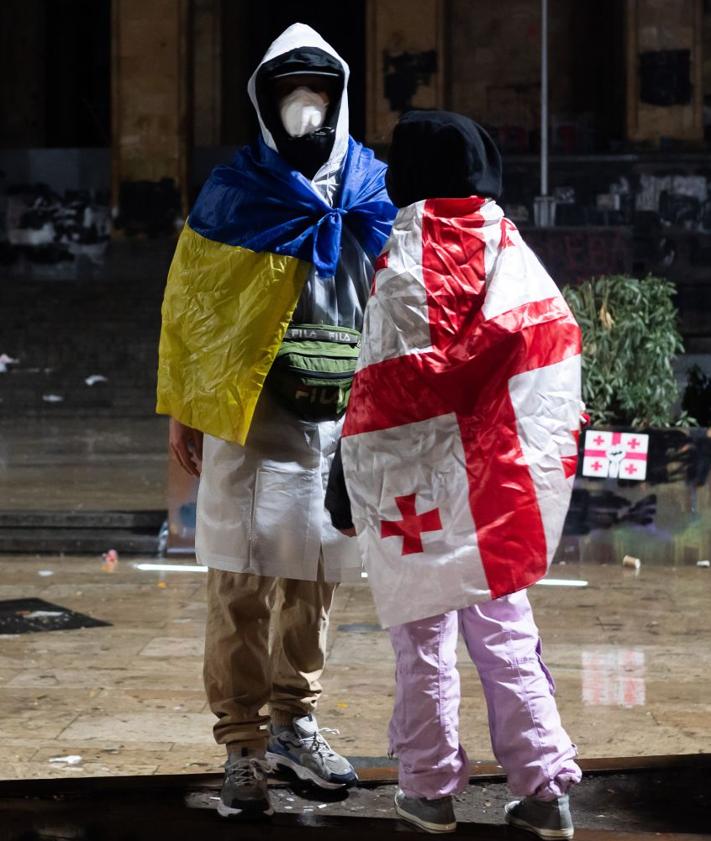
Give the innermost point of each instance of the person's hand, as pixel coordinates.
(351, 532)
(186, 446)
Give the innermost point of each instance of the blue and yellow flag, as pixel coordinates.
(241, 262)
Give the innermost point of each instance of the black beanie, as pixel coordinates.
(439, 154)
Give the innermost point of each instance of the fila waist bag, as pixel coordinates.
(313, 370)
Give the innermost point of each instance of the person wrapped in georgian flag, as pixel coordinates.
(457, 459)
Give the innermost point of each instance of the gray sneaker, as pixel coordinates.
(301, 747)
(244, 790)
(548, 819)
(430, 815)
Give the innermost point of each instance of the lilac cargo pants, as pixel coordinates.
(527, 736)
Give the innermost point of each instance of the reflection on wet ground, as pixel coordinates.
(630, 655)
(613, 677)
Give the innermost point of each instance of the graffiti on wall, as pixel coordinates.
(403, 75)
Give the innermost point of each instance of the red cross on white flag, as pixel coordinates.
(466, 404)
(412, 525)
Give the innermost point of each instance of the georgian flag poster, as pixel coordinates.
(615, 455)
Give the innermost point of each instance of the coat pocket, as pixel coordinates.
(280, 522)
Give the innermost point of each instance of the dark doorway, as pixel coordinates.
(55, 62)
(77, 73)
(598, 71)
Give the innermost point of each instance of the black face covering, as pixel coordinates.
(439, 154)
(310, 152)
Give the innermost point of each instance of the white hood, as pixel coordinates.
(296, 36)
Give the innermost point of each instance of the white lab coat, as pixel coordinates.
(260, 507)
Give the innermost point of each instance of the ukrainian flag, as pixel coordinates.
(258, 228)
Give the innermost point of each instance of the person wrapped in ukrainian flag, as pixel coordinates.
(261, 324)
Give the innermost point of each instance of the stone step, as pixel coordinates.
(134, 410)
(79, 541)
(18, 519)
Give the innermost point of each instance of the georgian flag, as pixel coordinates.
(615, 455)
(460, 440)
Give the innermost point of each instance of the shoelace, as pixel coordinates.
(245, 771)
(318, 743)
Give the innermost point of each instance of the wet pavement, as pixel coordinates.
(631, 655)
(630, 650)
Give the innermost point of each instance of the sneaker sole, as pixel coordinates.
(546, 834)
(426, 825)
(229, 812)
(304, 773)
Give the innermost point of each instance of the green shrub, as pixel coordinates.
(630, 338)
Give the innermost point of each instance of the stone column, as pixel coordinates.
(150, 92)
(664, 69)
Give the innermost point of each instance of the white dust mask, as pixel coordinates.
(303, 111)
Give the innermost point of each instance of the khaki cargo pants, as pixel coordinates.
(265, 645)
